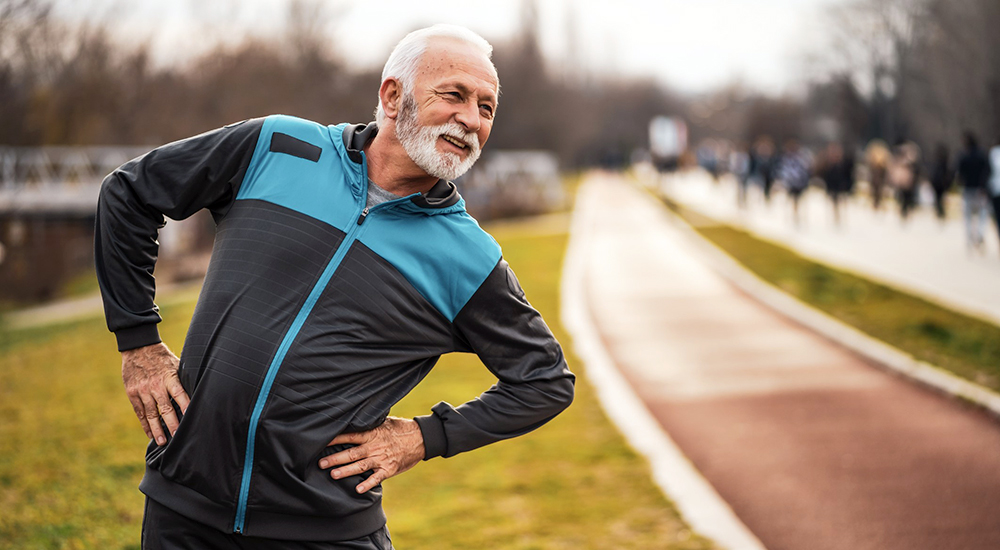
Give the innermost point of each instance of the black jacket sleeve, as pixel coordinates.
(533, 382)
(175, 180)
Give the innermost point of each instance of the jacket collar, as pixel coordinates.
(356, 136)
(442, 195)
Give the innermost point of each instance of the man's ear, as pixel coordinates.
(391, 94)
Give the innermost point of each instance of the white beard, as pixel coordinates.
(420, 143)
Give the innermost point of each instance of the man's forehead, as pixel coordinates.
(446, 55)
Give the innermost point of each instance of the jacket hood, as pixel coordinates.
(444, 194)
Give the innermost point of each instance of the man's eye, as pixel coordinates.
(486, 110)
(455, 95)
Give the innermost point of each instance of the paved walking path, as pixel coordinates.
(811, 446)
(74, 309)
(923, 256)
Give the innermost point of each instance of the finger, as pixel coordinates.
(373, 480)
(166, 410)
(356, 438)
(140, 412)
(152, 416)
(354, 469)
(346, 456)
(176, 390)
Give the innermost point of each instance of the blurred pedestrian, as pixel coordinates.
(942, 176)
(903, 174)
(837, 173)
(793, 171)
(708, 158)
(994, 186)
(762, 164)
(877, 160)
(739, 165)
(973, 174)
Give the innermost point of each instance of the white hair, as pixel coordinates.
(405, 57)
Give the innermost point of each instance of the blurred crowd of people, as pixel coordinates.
(878, 171)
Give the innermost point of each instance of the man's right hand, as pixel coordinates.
(150, 376)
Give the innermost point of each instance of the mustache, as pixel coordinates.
(453, 129)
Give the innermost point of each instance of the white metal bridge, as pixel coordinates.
(57, 179)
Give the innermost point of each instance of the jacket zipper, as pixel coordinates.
(272, 370)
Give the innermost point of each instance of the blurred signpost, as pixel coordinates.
(667, 141)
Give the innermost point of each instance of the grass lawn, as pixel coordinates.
(71, 450)
(964, 345)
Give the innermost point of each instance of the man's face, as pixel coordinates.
(447, 118)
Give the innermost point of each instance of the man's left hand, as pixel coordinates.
(392, 448)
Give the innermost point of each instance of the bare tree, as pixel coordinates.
(874, 43)
(927, 69)
(26, 59)
(961, 85)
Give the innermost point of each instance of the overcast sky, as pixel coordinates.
(690, 45)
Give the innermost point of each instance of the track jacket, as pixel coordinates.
(316, 316)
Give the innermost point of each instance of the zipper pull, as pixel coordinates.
(361, 218)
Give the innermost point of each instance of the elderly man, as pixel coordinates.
(344, 266)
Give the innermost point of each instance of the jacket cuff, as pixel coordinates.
(435, 440)
(137, 337)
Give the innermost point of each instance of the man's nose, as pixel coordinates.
(468, 116)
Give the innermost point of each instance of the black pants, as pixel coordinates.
(907, 201)
(939, 202)
(996, 212)
(164, 529)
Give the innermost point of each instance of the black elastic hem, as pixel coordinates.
(196, 506)
(137, 337)
(435, 440)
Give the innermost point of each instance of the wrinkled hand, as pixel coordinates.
(150, 377)
(392, 448)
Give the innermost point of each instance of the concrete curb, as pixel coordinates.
(882, 354)
(696, 500)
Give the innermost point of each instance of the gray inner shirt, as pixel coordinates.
(377, 195)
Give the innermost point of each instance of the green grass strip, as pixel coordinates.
(964, 345)
(71, 451)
